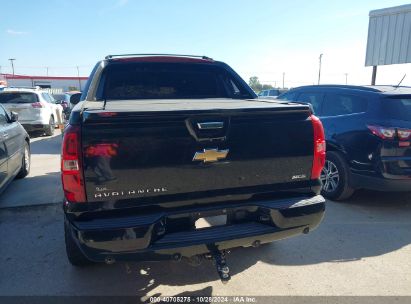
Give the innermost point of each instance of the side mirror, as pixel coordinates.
(58, 101)
(14, 117)
(75, 99)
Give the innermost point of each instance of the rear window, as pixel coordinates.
(59, 97)
(14, 97)
(397, 108)
(168, 81)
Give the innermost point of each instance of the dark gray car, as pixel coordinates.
(14, 149)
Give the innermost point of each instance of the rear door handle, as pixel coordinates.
(5, 135)
(211, 125)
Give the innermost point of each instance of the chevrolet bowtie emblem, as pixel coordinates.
(210, 155)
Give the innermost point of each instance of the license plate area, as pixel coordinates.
(211, 221)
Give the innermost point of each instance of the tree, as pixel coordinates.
(267, 87)
(255, 84)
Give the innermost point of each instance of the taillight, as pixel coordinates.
(404, 134)
(382, 132)
(71, 166)
(390, 132)
(319, 147)
(37, 105)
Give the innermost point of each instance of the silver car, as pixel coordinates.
(37, 109)
(270, 94)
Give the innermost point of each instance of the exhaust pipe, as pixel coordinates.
(109, 260)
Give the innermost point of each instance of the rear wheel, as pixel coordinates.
(74, 254)
(334, 178)
(25, 162)
(51, 126)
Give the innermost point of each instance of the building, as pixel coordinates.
(389, 37)
(55, 83)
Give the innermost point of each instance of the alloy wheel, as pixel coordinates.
(330, 177)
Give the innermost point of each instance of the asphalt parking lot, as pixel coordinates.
(363, 247)
(42, 185)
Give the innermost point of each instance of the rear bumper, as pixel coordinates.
(33, 127)
(359, 181)
(154, 237)
(35, 120)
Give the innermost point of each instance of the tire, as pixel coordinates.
(50, 127)
(25, 162)
(334, 178)
(74, 254)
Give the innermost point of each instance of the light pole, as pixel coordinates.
(346, 78)
(283, 79)
(12, 64)
(319, 70)
(79, 81)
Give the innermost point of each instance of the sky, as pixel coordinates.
(263, 38)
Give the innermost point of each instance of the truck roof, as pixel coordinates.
(159, 58)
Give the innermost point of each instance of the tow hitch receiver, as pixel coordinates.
(221, 265)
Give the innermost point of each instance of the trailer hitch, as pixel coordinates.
(219, 258)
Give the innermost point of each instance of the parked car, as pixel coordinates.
(368, 134)
(14, 149)
(270, 94)
(67, 100)
(173, 142)
(63, 99)
(37, 109)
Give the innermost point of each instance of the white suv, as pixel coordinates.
(36, 108)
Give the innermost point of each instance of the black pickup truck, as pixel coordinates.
(171, 157)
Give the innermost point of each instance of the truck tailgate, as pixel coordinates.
(194, 147)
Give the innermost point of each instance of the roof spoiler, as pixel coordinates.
(24, 87)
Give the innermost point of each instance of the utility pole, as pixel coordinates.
(319, 70)
(79, 81)
(374, 75)
(346, 78)
(283, 79)
(47, 71)
(12, 64)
